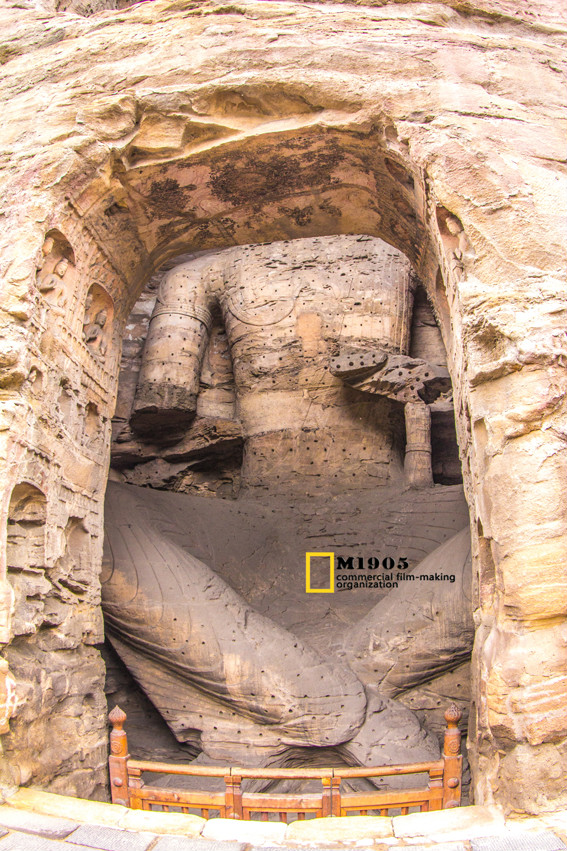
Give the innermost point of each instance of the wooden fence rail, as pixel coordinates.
(443, 789)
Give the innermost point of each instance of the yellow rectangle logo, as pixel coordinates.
(331, 588)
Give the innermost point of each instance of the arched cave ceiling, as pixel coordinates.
(171, 125)
(277, 186)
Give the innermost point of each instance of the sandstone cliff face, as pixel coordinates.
(132, 136)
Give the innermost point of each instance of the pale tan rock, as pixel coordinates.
(457, 823)
(91, 812)
(556, 821)
(162, 823)
(340, 829)
(255, 832)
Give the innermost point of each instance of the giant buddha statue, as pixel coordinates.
(333, 388)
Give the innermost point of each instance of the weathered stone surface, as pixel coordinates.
(430, 700)
(26, 822)
(439, 846)
(170, 843)
(25, 842)
(458, 823)
(372, 303)
(207, 440)
(259, 549)
(248, 725)
(340, 830)
(30, 803)
(244, 831)
(422, 628)
(61, 806)
(156, 822)
(556, 822)
(111, 838)
(61, 706)
(391, 734)
(397, 376)
(261, 675)
(148, 735)
(542, 841)
(279, 334)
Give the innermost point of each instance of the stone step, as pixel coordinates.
(111, 838)
(49, 826)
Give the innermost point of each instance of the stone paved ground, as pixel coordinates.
(104, 827)
(23, 831)
(115, 839)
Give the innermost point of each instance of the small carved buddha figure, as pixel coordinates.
(462, 253)
(53, 285)
(53, 281)
(93, 333)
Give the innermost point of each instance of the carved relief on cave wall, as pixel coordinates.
(97, 321)
(66, 388)
(56, 274)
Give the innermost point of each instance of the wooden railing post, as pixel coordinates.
(452, 773)
(118, 759)
(233, 796)
(331, 799)
(135, 783)
(436, 782)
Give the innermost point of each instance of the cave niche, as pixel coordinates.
(294, 429)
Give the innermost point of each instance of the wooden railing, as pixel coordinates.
(443, 788)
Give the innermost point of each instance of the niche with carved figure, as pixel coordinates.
(25, 555)
(302, 388)
(56, 270)
(97, 321)
(72, 575)
(26, 527)
(67, 404)
(35, 381)
(458, 248)
(92, 433)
